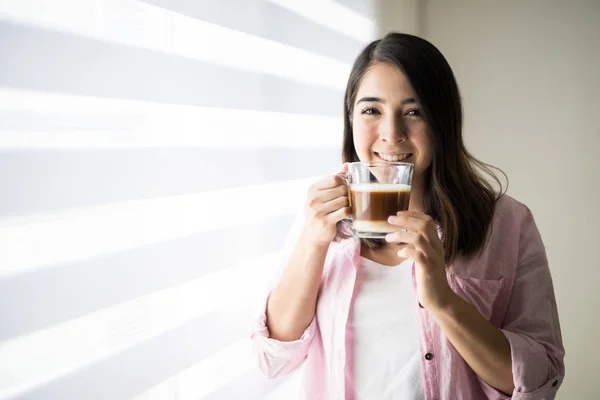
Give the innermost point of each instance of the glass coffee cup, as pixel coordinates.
(377, 191)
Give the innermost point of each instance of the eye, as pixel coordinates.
(413, 113)
(370, 111)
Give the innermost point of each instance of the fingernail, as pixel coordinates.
(391, 219)
(387, 237)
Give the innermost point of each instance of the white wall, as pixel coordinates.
(400, 15)
(529, 76)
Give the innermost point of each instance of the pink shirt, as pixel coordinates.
(508, 282)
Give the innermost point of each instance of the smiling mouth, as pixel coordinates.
(393, 157)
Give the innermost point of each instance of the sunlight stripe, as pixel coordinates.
(334, 16)
(44, 239)
(45, 355)
(207, 376)
(139, 24)
(46, 120)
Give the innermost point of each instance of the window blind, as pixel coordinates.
(152, 157)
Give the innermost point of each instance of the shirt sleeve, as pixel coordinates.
(277, 358)
(531, 324)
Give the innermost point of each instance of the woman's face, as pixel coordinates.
(387, 122)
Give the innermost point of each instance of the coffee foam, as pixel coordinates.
(380, 187)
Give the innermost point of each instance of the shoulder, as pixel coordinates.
(511, 217)
(504, 239)
(510, 210)
(513, 228)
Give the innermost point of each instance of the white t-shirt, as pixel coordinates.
(385, 357)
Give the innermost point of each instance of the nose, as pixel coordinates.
(393, 130)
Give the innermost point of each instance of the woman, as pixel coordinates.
(458, 303)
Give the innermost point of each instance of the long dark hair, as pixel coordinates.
(456, 194)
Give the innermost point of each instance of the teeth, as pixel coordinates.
(394, 157)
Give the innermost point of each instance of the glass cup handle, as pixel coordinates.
(347, 180)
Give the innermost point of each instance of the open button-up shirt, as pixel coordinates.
(509, 283)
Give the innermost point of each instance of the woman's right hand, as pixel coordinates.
(326, 204)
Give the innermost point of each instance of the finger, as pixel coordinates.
(415, 214)
(412, 218)
(404, 223)
(402, 236)
(416, 240)
(326, 195)
(316, 200)
(412, 253)
(339, 215)
(330, 182)
(421, 233)
(415, 221)
(334, 205)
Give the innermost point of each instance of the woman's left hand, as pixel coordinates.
(420, 242)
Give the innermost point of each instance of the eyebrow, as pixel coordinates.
(409, 100)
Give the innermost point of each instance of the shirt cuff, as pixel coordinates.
(280, 349)
(530, 369)
(276, 357)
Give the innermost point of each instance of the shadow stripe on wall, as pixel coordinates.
(265, 19)
(45, 297)
(41, 59)
(38, 181)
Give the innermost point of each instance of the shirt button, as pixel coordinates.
(428, 356)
